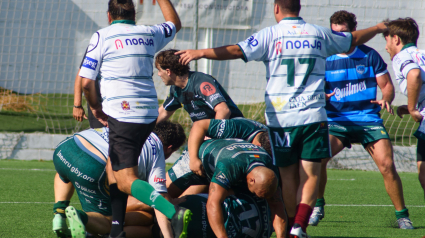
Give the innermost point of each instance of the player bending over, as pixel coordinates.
(237, 165)
(200, 94)
(81, 160)
(409, 69)
(294, 53)
(353, 114)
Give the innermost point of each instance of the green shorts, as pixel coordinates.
(87, 175)
(181, 175)
(358, 134)
(309, 142)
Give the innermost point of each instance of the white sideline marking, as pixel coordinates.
(28, 169)
(367, 205)
(342, 179)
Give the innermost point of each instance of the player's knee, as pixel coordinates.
(387, 167)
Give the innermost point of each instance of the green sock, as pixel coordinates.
(59, 208)
(83, 216)
(402, 214)
(145, 193)
(320, 202)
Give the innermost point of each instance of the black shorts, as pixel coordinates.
(94, 123)
(420, 150)
(126, 141)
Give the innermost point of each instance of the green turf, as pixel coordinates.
(31, 184)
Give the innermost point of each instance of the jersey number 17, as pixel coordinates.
(290, 63)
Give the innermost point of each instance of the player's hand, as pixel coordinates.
(384, 104)
(188, 55)
(79, 114)
(101, 116)
(416, 115)
(402, 110)
(382, 27)
(196, 166)
(329, 95)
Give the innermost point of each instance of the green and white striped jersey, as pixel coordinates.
(294, 53)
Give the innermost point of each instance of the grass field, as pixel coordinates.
(357, 204)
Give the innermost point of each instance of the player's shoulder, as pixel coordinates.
(152, 147)
(403, 57)
(368, 51)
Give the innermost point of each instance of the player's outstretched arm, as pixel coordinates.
(89, 89)
(170, 13)
(196, 138)
(222, 111)
(220, 53)
(278, 213)
(78, 110)
(163, 114)
(216, 197)
(414, 84)
(362, 36)
(388, 93)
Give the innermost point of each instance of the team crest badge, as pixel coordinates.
(360, 69)
(125, 105)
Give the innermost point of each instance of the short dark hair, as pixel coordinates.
(170, 134)
(167, 59)
(121, 9)
(405, 28)
(341, 17)
(264, 140)
(289, 6)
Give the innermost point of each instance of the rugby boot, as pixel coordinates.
(121, 235)
(180, 222)
(76, 226)
(317, 215)
(297, 232)
(405, 223)
(60, 228)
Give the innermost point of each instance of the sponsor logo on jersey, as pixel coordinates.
(215, 96)
(125, 105)
(252, 41)
(278, 104)
(153, 196)
(221, 128)
(282, 141)
(322, 124)
(361, 69)
(222, 178)
(254, 156)
(337, 127)
(338, 33)
(207, 89)
(115, 223)
(278, 47)
(158, 180)
(167, 29)
(90, 63)
(140, 41)
(195, 107)
(297, 32)
(405, 63)
(305, 44)
(118, 44)
(93, 45)
(248, 147)
(153, 146)
(375, 128)
(349, 89)
(199, 114)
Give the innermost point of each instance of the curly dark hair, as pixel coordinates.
(341, 17)
(167, 59)
(121, 10)
(405, 28)
(170, 134)
(264, 140)
(289, 6)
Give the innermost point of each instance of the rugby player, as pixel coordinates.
(294, 53)
(232, 165)
(200, 94)
(353, 114)
(122, 54)
(81, 160)
(409, 69)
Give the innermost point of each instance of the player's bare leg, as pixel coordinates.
(290, 181)
(382, 153)
(63, 191)
(172, 189)
(63, 194)
(421, 174)
(98, 223)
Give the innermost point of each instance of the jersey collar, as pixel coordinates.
(124, 22)
(292, 19)
(407, 46)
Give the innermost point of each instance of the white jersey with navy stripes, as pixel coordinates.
(151, 160)
(123, 55)
(410, 57)
(294, 53)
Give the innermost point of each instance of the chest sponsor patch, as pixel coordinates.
(207, 89)
(90, 63)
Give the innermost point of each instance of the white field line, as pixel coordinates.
(49, 170)
(342, 179)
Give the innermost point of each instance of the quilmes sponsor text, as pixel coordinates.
(349, 89)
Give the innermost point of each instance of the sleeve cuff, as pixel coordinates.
(244, 58)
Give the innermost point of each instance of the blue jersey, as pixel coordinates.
(353, 78)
